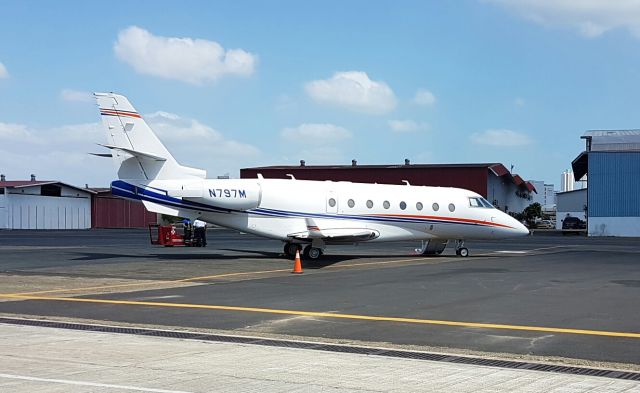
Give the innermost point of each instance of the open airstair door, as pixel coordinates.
(433, 246)
(334, 235)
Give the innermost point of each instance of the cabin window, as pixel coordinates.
(419, 206)
(351, 203)
(403, 205)
(369, 203)
(452, 207)
(386, 204)
(435, 207)
(332, 202)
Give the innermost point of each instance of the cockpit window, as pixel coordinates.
(479, 202)
(486, 203)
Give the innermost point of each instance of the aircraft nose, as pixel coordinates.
(520, 229)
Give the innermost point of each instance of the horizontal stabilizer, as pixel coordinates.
(161, 209)
(135, 152)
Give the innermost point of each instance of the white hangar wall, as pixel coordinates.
(25, 207)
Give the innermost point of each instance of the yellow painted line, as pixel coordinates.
(135, 284)
(189, 279)
(340, 316)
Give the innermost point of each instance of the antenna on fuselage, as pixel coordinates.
(406, 182)
(291, 176)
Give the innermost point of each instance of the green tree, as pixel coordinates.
(532, 212)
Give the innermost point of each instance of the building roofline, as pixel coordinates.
(566, 192)
(376, 166)
(16, 184)
(496, 168)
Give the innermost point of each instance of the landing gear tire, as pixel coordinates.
(463, 252)
(312, 253)
(290, 249)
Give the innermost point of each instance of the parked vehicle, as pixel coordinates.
(573, 224)
(545, 224)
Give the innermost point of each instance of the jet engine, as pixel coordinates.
(231, 194)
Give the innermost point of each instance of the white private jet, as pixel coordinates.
(300, 213)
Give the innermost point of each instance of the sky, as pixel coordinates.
(234, 84)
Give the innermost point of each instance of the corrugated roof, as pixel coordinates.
(29, 183)
(604, 133)
(612, 140)
(24, 183)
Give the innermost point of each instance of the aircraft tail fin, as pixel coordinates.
(135, 148)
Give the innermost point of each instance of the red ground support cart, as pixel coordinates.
(167, 235)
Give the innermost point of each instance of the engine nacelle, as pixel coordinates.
(231, 194)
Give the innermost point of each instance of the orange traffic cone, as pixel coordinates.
(297, 265)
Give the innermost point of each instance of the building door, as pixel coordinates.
(4, 218)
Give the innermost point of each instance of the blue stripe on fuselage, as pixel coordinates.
(127, 190)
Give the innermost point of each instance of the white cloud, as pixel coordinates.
(519, 102)
(591, 18)
(353, 90)
(76, 95)
(501, 137)
(424, 97)
(3, 71)
(194, 61)
(56, 153)
(193, 136)
(12, 132)
(311, 133)
(407, 126)
(322, 155)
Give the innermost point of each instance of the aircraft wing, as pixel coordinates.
(334, 235)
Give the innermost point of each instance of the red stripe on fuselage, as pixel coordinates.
(452, 219)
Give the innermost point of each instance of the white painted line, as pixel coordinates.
(80, 383)
(160, 297)
(512, 252)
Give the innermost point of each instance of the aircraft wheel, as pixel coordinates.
(463, 252)
(290, 249)
(312, 253)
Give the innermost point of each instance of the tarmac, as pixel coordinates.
(543, 299)
(37, 359)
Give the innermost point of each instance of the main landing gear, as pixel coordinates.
(461, 250)
(309, 252)
(312, 253)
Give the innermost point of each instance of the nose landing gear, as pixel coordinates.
(461, 250)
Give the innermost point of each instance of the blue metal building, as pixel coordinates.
(611, 162)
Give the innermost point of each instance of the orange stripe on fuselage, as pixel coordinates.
(453, 219)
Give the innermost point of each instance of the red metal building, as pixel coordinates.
(109, 211)
(491, 180)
